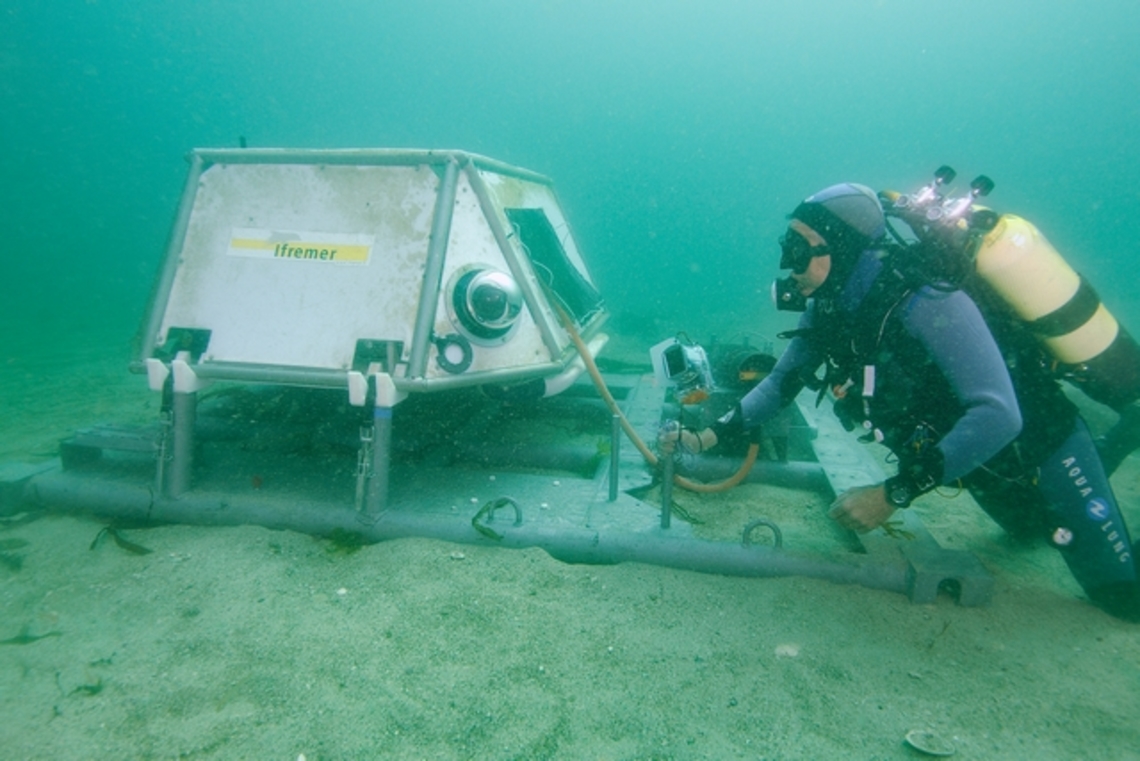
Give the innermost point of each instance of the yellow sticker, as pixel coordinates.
(337, 248)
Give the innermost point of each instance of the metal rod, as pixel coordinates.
(376, 504)
(363, 157)
(182, 462)
(667, 489)
(317, 377)
(615, 455)
(162, 452)
(433, 270)
(160, 294)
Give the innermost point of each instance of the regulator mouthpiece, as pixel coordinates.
(786, 295)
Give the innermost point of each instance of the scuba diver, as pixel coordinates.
(959, 390)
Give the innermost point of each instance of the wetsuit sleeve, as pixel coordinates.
(951, 328)
(785, 381)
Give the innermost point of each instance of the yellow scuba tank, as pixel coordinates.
(1062, 309)
(1058, 305)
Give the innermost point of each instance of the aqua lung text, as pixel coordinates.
(1107, 527)
(1075, 475)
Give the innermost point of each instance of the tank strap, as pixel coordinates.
(1073, 314)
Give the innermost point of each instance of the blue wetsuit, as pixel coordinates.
(956, 341)
(942, 393)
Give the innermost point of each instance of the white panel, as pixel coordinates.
(473, 243)
(372, 223)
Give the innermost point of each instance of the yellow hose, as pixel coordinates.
(646, 452)
(726, 484)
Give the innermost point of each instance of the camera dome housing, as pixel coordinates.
(484, 304)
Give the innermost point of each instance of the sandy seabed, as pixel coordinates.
(235, 643)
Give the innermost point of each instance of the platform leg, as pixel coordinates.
(162, 443)
(615, 455)
(363, 467)
(376, 495)
(376, 500)
(667, 487)
(185, 411)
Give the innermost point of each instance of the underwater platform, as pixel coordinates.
(368, 344)
(550, 473)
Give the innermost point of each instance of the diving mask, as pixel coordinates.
(796, 254)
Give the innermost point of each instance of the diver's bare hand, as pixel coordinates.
(698, 441)
(691, 441)
(862, 508)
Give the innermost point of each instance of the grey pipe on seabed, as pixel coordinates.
(69, 492)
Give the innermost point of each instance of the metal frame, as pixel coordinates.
(161, 293)
(363, 157)
(433, 269)
(451, 162)
(521, 276)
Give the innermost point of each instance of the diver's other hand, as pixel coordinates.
(862, 508)
(698, 441)
(692, 441)
(668, 435)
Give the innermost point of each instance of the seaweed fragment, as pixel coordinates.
(9, 522)
(25, 637)
(895, 530)
(683, 513)
(88, 689)
(120, 540)
(343, 542)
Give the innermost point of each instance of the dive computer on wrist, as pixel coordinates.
(898, 492)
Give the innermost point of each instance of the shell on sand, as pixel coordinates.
(929, 742)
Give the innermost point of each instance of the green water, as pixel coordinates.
(679, 134)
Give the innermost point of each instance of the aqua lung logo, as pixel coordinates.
(1097, 509)
(1100, 512)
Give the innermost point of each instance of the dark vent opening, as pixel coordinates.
(576, 294)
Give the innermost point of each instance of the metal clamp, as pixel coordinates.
(163, 454)
(777, 535)
(489, 510)
(363, 464)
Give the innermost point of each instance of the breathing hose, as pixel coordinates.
(646, 452)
